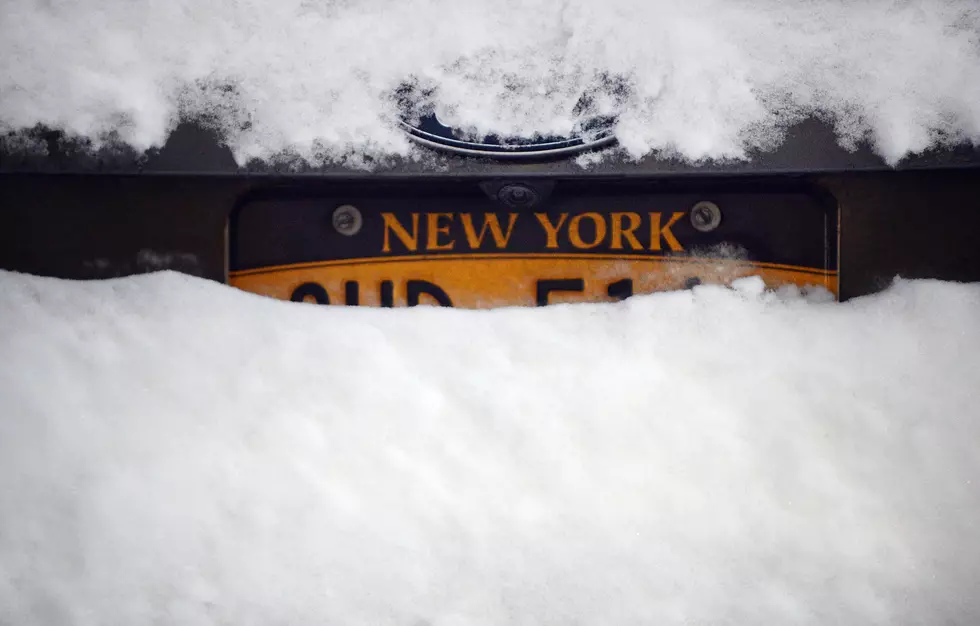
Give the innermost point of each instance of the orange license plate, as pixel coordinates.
(524, 244)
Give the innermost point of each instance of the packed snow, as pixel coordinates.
(176, 452)
(701, 79)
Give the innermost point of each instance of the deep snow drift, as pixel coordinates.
(317, 78)
(176, 452)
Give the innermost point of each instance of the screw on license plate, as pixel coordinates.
(705, 216)
(347, 220)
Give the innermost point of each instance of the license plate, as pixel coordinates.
(473, 245)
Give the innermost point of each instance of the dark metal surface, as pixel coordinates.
(917, 224)
(808, 147)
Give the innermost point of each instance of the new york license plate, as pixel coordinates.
(492, 245)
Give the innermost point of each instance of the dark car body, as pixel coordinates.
(69, 211)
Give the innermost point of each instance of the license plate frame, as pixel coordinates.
(467, 243)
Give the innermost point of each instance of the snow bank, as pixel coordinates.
(704, 78)
(176, 452)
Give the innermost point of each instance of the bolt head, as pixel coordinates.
(705, 216)
(347, 220)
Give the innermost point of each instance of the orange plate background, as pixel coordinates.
(482, 281)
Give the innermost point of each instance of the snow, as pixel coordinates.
(174, 451)
(707, 79)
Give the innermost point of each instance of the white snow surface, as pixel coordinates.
(173, 451)
(708, 79)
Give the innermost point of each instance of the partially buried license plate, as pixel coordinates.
(482, 246)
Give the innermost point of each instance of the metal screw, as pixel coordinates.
(705, 216)
(347, 220)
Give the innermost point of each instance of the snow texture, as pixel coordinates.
(698, 79)
(175, 452)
